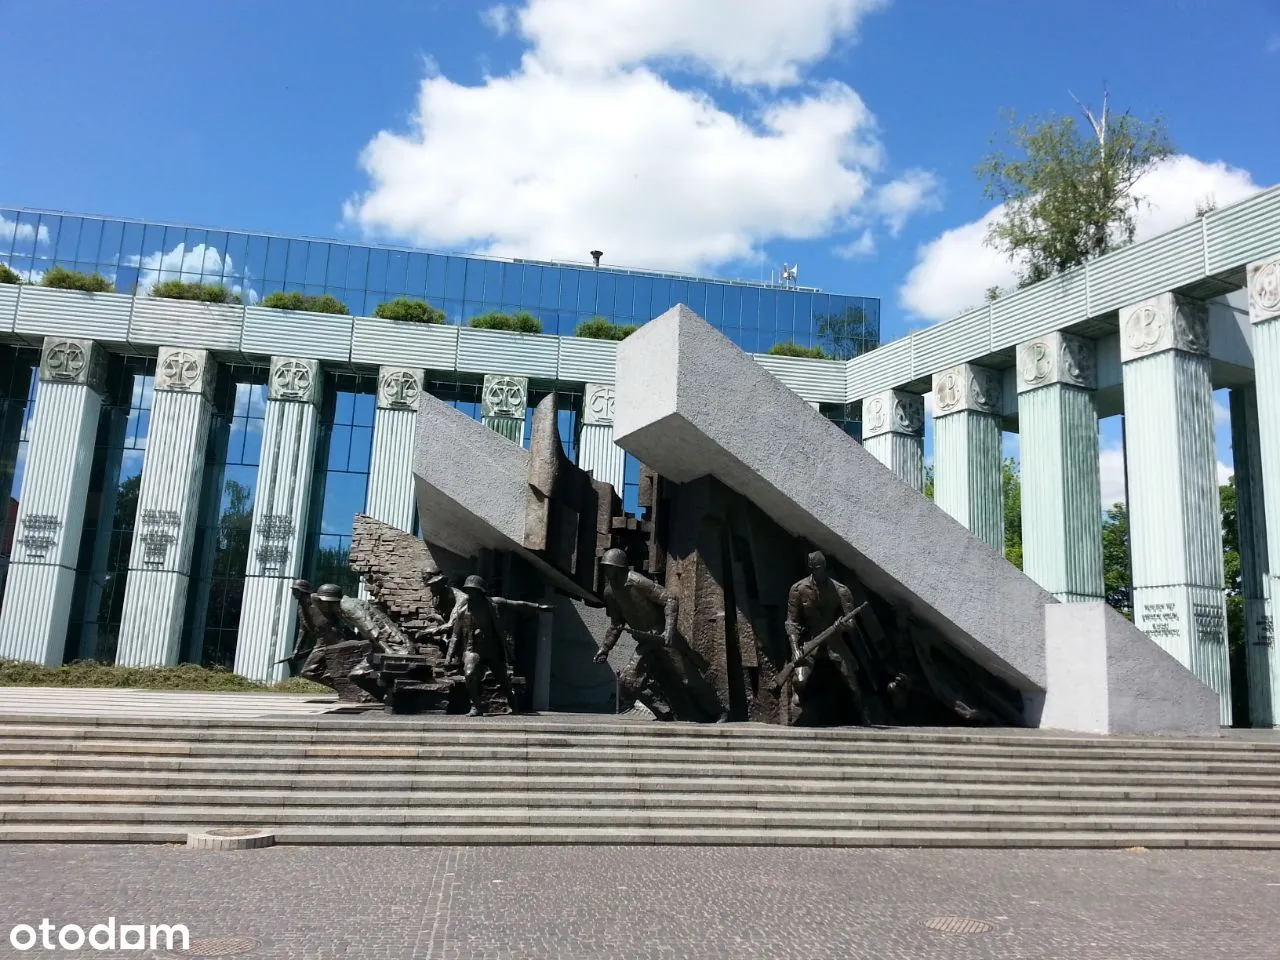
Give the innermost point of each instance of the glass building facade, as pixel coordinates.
(135, 256)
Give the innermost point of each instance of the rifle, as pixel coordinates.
(812, 647)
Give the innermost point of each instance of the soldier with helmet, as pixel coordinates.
(656, 673)
(479, 640)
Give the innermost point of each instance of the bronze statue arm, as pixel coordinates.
(610, 640)
(523, 605)
(792, 626)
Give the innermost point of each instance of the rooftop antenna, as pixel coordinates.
(596, 255)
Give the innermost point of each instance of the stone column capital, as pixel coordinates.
(597, 403)
(1264, 290)
(893, 411)
(399, 388)
(185, 370)
(295, 380)
(74, 361)
(1057, 358)
(1169, 321)
(966, 387)
(504, 396)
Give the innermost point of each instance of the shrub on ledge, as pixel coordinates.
(409, 310)
(8, 274)
(522, 322)
(599, 328)
(789, 348)
(186, 290)
(60, 278)
(292, 300)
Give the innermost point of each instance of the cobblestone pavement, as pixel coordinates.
(660, 902)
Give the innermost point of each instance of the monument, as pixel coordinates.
(778, 573)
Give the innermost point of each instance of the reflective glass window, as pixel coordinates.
(255, 258)
(277, 258)
(47, 236)
(221, 544)
(512, 277)
(131, 244)
(487, 283)
(435, 277)
(567, 298)
(358, 268)
(90, 239)
(68, 240)
(8, 231)
(456, 279)
(397, 265)
(195, 254)
(110, 242)
(295, 274)
(335, 274)
(377, 277)
(317, 263)
(415, 280)
(549, 294)
(714, 305)
(18, 383)
(30, 235)
(731, 311)
(624, 288)
(587, 290)
(604, 293)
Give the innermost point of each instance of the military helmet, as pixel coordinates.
(614, 557)
(475, 583)
(433, 576)
(329, 591)
(302, 586)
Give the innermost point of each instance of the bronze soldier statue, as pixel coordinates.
(367, 621)
(814, 605)
(657, 674)
(448, 600)
(308, 634)
(479, 640)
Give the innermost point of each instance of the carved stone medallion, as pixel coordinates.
(74, 361)
(1166, 322)
(399, 388)
(180, 370)
(966, 387)
(1057, 358)
(893, 411)
(1264, 291)
(597, 403)
(504, 396)
(294, 379)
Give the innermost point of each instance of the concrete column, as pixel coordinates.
(268, 614)
(893, 433)
(596, 450)
(42, 568)
(391, 466)
(155, 596)
(1264, 488)
(967, 450)
(504, 403)
(542, 657)
(1058, 442)
(1175, 519)
(1251, 528)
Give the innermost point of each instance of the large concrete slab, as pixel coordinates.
(472, 487)
(690, 403)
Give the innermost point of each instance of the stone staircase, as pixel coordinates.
(369, 780)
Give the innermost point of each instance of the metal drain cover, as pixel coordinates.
(218, 947)
(958, 925)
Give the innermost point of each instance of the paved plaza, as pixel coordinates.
(664, 902)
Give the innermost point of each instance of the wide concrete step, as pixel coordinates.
(495, 730)
(443, 737)
(252, 800)
(70, 780)
(1053, 773)
(523, 835)
(629, 752)
(619, 817)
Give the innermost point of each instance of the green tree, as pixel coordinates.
(410, 310)
(60, 278)
(927, 490)
(601, 328)
(1068, 193)
(190, 290)
(1116, 575)
(846, 332)
(789, 348)
(1011, 491)
(1231, 565)
(8, 274)
(522, 322)
(292, 300)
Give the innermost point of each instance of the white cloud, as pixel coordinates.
(201, 260)
(864, 246)
(915, 191)
(742, 41)
(11, 230)
(497, 19)
(585, 145)
(1225, 473)
(1221, 413)
(1111, 475)
(953, 271)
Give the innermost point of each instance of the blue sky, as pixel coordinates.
(724, 136)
